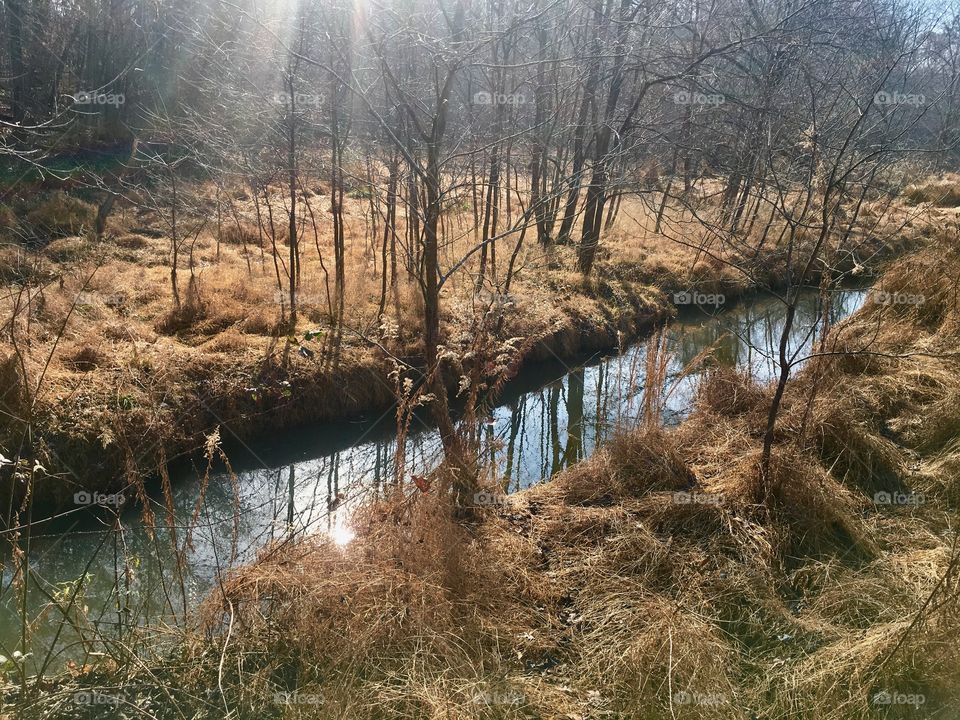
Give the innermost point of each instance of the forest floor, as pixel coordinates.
(659, 579)
(118, 381)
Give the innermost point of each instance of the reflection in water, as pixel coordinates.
(306, 481)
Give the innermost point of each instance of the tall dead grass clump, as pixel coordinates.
(869, 649)
(191, 311)
(66, 250)
(854, 450)
(399, 623)
(59, 214)
(655, 657)
(630, 465)
(242, 234)
(728, 392)
(818, 515)
(941, 193)
(919, 289)
(941, 475)
(85, 359)
(17, 265)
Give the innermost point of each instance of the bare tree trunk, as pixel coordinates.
(14, 16)
(539, 151)
(597, 189)
(389, 233)
(573, 196)
(174, 240)
(292, 225)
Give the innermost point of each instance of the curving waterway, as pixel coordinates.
(120, 575)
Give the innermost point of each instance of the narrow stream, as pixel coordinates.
(549, 417)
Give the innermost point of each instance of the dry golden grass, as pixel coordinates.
(113, 305)
(603, 593)
(113, 302)
(944, 192)
(563, 606)
(646, 582)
